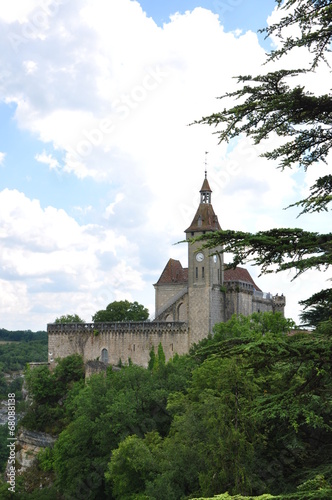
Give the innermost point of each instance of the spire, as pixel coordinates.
(205, 219)
(206, 191)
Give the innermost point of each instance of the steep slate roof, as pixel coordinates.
(173, 273)
(205, 186)
(209, 220)
(205, 219)
(240, 274)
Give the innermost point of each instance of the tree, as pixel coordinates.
(271, 104)
(133, 464)
(122, 310)
(105, 412)
(317, 308)
(69, 318)
(46, 390)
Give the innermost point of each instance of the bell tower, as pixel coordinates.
(205, 270)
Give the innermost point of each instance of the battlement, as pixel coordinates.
(279, 301)
(116, 327)
(110, 342)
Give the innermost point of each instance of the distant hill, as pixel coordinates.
(22, 335)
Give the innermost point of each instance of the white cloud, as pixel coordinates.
(2, 157)
(110, 208)
(48, 160)
(16, 10)
(114, 94)
(45, 256)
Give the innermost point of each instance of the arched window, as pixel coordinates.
(182, 312)
(104, 356)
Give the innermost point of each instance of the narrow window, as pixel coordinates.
(197, 273)
(203, 273)
(104, 356)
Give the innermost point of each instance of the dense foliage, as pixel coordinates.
(246, 412)
(17, 348)
(48, 390)
(69, 318)
(15, 355)
(22, 335)
(122, 310)
(278, 103)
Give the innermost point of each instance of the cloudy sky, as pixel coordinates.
(100, 172)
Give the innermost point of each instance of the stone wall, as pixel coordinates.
(239, 300)
(176, 311)
(217, 300)
(164, 293)
(110, 342)
(199, 312)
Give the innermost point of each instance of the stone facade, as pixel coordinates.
(188, 301)
(111, 342)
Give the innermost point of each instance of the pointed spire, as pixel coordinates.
(205, 219)
(206, 191)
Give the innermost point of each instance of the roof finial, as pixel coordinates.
(205, 163)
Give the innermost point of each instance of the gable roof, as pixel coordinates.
(240, 274)
(173, 273)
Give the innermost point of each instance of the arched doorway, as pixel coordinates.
(104, 356)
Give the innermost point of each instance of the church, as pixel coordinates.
(206, 293)
(188, 303)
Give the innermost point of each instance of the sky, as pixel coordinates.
(100, 170)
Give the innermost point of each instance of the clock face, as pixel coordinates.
(199, 257)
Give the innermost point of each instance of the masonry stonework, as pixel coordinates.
(189, 302)
(111, 342)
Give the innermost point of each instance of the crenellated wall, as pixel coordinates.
(111, 342)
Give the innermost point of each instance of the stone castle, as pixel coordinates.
(188, 303)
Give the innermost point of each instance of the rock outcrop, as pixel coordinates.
(28, 445)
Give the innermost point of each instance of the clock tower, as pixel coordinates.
(205, 271)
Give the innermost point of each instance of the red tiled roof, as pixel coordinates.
(240, 274)
(173, 273)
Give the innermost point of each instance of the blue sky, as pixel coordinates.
(99, 171)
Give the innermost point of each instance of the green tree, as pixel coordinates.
(291, 407)
(122, 310)
(47, 390)
(317, 308)
(69, 318)
(104, 413)
(271, 104)
(133, 464)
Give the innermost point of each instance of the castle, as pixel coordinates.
(188, 303)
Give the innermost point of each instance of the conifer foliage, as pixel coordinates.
(277, 102)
